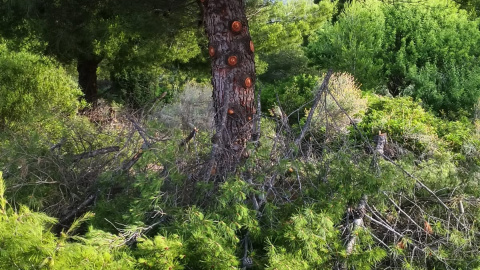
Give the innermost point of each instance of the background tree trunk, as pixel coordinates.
(233, 78)
(87, 77)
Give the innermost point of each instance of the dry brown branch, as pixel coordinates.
(403, 212)
(79, 208)
(358, 215)
(129, 164)
(96, 152)
(189, 137)
(323, 87)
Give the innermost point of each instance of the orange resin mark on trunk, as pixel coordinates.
(252, 48)
(248, 82)
(211, 51)
(232, 60)
(230, 111)
(236, 26)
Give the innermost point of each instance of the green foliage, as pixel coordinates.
(279, 30)
(137, 87)
(161, 253)
(309, 241)
(210, 242)
(293, 93)
(409, 125)
(39, 179)
(287, 206)
(404, 121)
(354, 43)
(434, 48)
(34, 88)
(27, 243)
(140, 74)
(428, 51)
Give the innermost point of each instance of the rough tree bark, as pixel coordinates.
(87, 77)
(233, 78)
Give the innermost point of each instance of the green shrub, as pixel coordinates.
(404, 121)
(346, 92)
(34, 88)
(279, 30)
(353, 44)
(428, 51)
(409, 125)
(293, 93)
(137, 86)
(27, 243)
(161, 253)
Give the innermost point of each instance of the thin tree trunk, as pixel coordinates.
(233, 79)
(87, 77)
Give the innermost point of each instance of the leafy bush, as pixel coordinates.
(434, 48)
(279, 30)
(354, 43)
(346, 92)
(294, 93)
(34, 88)
(138, 86)
(428, 51)
(27, 243)
(161, 252)
(404, 121)
(408, 124)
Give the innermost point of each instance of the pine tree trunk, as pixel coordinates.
(233, 78)
(87, 77)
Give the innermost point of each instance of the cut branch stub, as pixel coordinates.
(236, 26)
(230, 111)
(232, 60)
(252, 48)
(247, 82)
(211, 51)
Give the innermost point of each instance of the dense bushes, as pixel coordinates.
(293, 93)
(27, 243)
(428, 51)
(354, 43)
(409, 125)
(34, 88)
(279, 30)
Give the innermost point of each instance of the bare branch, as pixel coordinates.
(79, 208)
(358, 215)
(129, 164)
(323, 87)
(189, 137)
(95, 153)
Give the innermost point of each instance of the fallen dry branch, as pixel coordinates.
(323, 87)
(79, 208)
(129, 164)
(96, 152)
(358, 215)
(189, 137)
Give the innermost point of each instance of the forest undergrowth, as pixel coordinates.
(378, 183)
